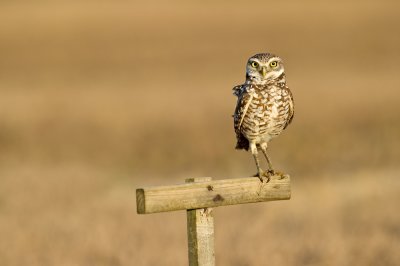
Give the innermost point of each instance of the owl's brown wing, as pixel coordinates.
(291, 108)
(243, 102)
(238, 90)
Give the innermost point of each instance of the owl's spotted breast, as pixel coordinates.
(262, 112)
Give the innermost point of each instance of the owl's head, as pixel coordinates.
(264, 67)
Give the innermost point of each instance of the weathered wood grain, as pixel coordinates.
(206, 194)
(200, 228)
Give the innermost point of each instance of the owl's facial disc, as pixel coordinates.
(261, 69)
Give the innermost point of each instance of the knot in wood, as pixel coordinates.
(218, 197)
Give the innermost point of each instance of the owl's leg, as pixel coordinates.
(264, 150)
(254, 151)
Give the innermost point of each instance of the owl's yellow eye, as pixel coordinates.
(273, 64)
(254, 64)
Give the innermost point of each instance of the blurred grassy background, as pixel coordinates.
(98, 98)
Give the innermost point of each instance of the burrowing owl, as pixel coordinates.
(264, 108)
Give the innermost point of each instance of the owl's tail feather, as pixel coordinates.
(242, 142)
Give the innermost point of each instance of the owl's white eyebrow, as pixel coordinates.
(274, 59)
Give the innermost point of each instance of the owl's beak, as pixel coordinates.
(263, 71)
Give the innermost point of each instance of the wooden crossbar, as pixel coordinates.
(213, 193)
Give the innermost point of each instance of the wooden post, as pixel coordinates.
(199, 195)
(200, 229)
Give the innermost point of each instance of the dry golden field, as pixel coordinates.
(98, 98)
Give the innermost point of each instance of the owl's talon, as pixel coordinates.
(263, 176)
(271, 172)
(266, 179)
